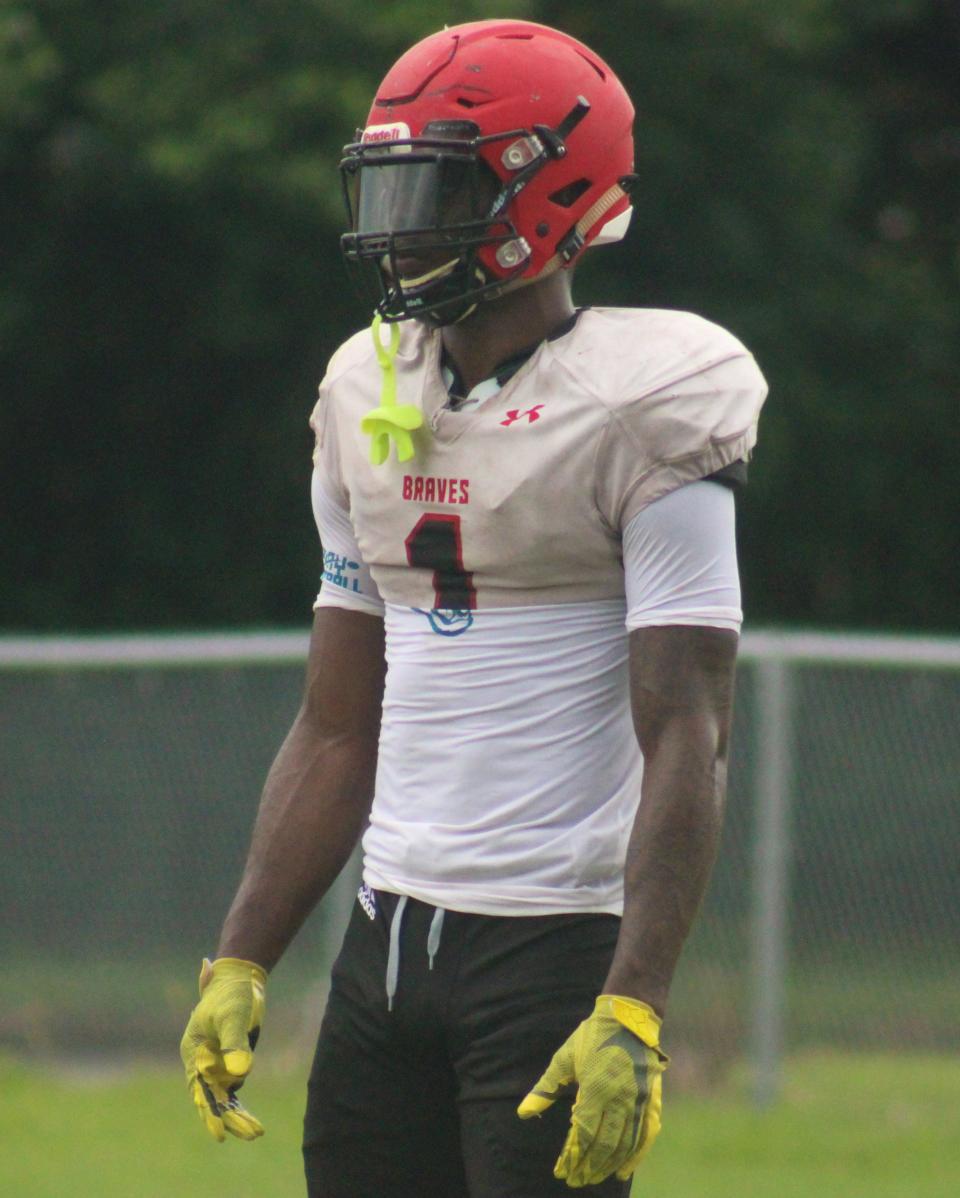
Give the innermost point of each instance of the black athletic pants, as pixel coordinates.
(420, 1101)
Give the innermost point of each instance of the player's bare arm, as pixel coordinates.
(318, 792)
(681, 682)
(314, 804)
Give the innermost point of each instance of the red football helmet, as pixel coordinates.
(507, 142)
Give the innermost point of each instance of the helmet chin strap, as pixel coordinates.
(415, 283)
(449, 313)
(438, 272)
(440, 321)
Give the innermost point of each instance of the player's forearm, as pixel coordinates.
(314, 806)
(671, 853)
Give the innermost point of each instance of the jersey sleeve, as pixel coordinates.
(680, 560)
(695, 426)
(326, 448)
(346, 580)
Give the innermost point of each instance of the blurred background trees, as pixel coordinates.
(171, 287)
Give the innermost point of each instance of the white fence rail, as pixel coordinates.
(211, 648)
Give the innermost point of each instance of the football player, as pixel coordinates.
(521, 670)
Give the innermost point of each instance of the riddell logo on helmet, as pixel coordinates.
(398, 131)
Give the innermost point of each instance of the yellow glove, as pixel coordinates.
(217, 1047)
(615, 1061)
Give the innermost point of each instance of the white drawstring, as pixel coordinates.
(433, 936)
(393, 954)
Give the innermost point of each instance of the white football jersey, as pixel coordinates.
(508, 772)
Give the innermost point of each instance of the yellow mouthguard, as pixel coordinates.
(390, 420)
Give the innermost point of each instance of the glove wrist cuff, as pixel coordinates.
(635, 1015)
(232, 967)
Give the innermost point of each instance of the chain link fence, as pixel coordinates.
(131, 770)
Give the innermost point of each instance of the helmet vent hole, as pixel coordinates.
(596, 66)
(567, 196)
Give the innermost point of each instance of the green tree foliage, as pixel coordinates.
(172, 287)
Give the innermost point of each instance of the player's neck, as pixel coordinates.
(501, 328)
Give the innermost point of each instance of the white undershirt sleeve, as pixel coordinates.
(346, 580)
(680, 560)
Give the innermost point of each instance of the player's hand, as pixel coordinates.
(614, 1061)
(217, 1047)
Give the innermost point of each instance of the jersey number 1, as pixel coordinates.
(434, 544)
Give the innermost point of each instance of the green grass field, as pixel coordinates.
(848, 1127)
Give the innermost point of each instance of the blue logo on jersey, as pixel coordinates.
(339, 571)
(448, 621)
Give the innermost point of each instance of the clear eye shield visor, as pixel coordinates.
(418, 194)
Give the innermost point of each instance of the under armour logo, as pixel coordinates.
(515, 414)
